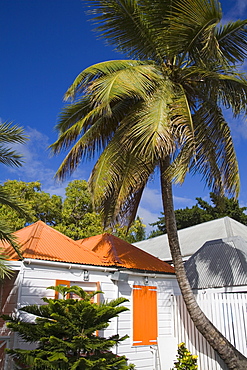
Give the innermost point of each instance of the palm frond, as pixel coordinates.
(146, 131)
(191, 25)
(117, 182)
(232, 40)
(91, 140)
(232, 93)
(215, 154)
(13, 202)
(10, 133)
(134, 82)
(182, 128)
(6, 235)
(10, 157)
(83, 80)
(229, 89)
(125, 24)
(160, 125)
(71, 113)
(5, 270)
(77, 129)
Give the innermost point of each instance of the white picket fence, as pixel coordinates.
(227, 311)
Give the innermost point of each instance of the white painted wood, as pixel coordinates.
(36, 278)
(227, 311)
(167, 350)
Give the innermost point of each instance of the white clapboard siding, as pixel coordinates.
(32, 280)
(227, 311)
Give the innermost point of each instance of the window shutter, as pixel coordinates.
(64, 283)
(145, 328)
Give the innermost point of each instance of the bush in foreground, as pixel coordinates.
(66, 333)
(185, 360)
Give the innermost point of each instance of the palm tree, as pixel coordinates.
(9, 134)
(162, 109)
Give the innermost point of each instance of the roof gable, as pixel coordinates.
(40, 241)
(193, 237)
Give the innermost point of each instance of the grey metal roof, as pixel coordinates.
(192, 238)
(219, 263)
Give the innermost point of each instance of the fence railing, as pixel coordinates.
(227, 311)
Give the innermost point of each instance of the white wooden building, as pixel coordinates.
(103, 263)
(215, 255)
(217, 273)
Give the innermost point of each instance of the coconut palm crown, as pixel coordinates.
(161, 108)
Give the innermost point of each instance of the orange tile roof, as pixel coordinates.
(40, 241)
(118, 252)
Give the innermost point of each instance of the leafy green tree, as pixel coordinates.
(9, 134)
(202, 212)
(40, 205)
(73, 216)
(223, 206)
(78, 221)
(161, 108)
(65, 333)
(135, 233)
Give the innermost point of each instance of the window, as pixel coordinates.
(63, 283)
(145, 328)
(88, 287)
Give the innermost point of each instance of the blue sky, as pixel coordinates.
(44, 45)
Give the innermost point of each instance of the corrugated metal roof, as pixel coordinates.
(192, 238)
(219, 263)
(118, 252)
(40, 241)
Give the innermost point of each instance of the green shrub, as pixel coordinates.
(185, 360)
(66, 333)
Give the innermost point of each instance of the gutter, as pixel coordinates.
(69, 266)
(146, 273)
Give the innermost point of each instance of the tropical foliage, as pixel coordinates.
(162, 108)
(185, 360)
(73, 215)
(202, 212)
(65, 331)
(9, 134)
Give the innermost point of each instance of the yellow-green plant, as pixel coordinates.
(185, 360)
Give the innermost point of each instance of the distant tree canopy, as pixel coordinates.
(202, 212)
(73, 215)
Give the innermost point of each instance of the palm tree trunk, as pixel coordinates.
(230, 355)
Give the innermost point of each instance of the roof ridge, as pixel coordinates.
(228, 226)
(34, 234)
(113, 249)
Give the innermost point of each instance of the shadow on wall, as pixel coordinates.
(218, 263)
